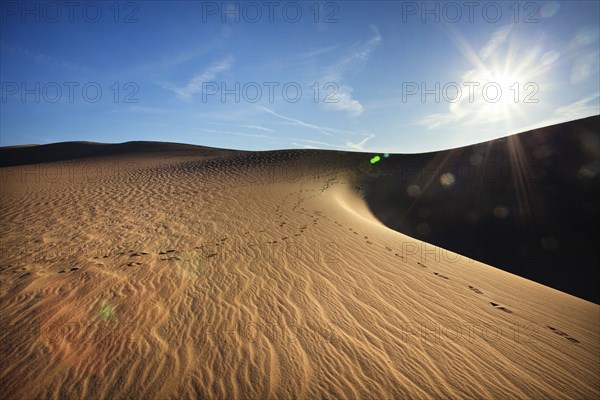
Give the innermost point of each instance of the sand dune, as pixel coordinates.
(170, 272)
(528, 204)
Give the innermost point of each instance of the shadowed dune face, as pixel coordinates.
(528, 204)
(201, 273)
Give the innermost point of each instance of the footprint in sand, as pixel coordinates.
(132, 263)
(506, 310)
(475, 289)
(563, 334)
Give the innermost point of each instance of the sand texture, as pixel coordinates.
(180, 272)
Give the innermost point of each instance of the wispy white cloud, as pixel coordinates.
(339, 134)
(144, 110)
(306, 146)
(498, 38)
(316, 52)
(235, 133)
(44, 59)
(315, 144)
(336, 73)
(586, 107)
(585, 66)
(360, 146)
(298, 122)
(583, 108)
(194, 86)
(321, 129)
(255, 127)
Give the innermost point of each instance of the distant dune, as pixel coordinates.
(36, 154)
(160, 270)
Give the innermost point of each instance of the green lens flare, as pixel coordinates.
(106, 311)
(375, 159)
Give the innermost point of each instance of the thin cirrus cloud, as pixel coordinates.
(318, 52)
(194, 86)
(338, 134)
(585, 107)
(498, 39)
(43, 59)
(254, 127)
(337, 74)
(145, 110)
(321, 129)
(580, 109)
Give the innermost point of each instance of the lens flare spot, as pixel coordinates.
(447, 180)
(106, 311)
(375, 159)
(424, 229)
(413, 190)
(588, 171)
(501, 212)
(549, 9)
(476, 159)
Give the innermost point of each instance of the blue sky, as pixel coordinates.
(377, 76)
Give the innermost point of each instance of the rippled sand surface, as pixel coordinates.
(259, 276)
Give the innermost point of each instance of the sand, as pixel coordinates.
(179, 272)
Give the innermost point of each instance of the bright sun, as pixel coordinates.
(500, 93)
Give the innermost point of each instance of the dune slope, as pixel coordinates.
(528, 204)
(259, 275)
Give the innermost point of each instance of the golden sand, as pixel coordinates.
(223, 275)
